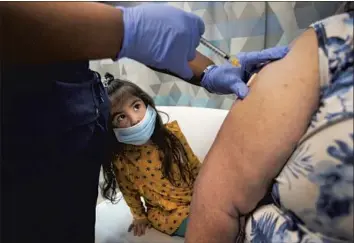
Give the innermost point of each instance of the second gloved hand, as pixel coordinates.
(228, 79)
(162, 37)
(225, 79)
(251, 61)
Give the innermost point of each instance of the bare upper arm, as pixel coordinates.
(260, 132)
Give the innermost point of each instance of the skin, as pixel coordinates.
(139, 226)
(70, 36)
(254, 142)
(199, 64)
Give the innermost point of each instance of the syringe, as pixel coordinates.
(232, 60)
(219, 52)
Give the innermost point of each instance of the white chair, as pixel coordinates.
(200, 126)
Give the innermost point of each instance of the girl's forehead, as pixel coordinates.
(123, 100)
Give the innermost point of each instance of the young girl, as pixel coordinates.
(152, 160)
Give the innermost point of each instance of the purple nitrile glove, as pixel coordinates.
(224, 79)
(162, 37)
(228, 79)
(249, 61)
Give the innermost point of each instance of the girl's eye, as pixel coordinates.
(120, 117)
(136, 107)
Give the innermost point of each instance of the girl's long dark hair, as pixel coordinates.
(171, 150)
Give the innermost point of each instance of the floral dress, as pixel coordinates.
(313, 194)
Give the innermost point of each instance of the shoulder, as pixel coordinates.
(173, 127)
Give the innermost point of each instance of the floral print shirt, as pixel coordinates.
(314, 192)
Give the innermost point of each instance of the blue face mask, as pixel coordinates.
(140, 133)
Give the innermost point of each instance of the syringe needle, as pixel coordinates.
(219, 52)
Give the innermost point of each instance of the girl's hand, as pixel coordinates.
(139, 226)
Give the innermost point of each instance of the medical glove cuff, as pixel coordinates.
(206, 81)
(130, 29)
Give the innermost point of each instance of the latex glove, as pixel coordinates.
(251, 61)
(139, 226)
(227, 79)
(161, 36)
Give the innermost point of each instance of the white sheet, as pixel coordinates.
(200, 126)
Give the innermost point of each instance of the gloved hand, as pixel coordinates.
(227, 79)
(250, 61)
(161, 36)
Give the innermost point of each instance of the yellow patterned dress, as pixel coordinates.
(140, 175)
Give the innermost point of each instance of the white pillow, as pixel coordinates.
(199, 125)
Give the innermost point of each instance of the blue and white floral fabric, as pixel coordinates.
(314, 192)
